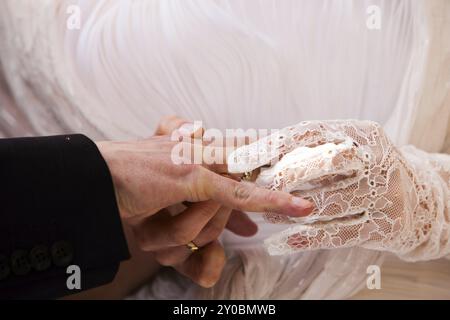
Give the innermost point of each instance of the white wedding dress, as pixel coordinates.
(232, 64)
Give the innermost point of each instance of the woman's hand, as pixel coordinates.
(365, 191)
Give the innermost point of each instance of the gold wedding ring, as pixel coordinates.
(192, 246)
(247, 176)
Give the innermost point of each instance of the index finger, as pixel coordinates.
(245, 196)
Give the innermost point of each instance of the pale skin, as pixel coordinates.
(147, 182)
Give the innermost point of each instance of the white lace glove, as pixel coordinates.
(367, 192)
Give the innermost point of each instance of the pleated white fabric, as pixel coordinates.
(232, 64)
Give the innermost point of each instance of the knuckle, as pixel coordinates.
(198, 178)
(272, 198)
(194, 171)
(143, 241)
(206, 212)
(242, 193)
(182, 237)
(213, 231)
(190, 170)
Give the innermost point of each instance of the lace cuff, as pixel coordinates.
(431, 218)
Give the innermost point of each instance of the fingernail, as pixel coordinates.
(186, 129)
(302, 203)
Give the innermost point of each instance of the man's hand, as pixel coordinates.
(147, 181)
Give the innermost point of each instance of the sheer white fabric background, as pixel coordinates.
(247, 64)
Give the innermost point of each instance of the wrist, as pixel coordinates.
(110, 155)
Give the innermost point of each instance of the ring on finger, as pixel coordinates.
(192, 246)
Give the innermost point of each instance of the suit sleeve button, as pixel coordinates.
(62, 253)
(40, 258)
(19, 263)
(5, 270)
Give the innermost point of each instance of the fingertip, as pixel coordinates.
(192, 130)
(209, 282)
(241, 224)
(252, 230)
(301, 203)
(248, 231)
(169, 123)
(213, 265)
(301, 207)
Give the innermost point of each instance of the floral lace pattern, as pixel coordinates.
(366, 191)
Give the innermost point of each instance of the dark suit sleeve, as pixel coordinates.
(57, 209)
